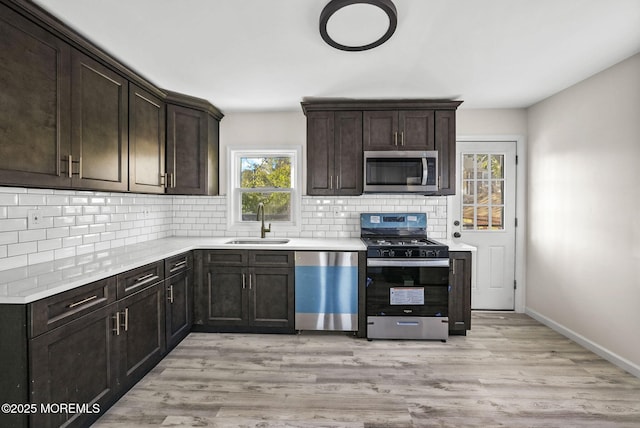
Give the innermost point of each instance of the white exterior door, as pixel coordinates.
(484, 215)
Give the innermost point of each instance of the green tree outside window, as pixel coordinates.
(267, 180)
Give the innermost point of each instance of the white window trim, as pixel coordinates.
(234, 224)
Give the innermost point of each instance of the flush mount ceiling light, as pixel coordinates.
(358, 25)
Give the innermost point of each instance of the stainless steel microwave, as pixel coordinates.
(400, 171)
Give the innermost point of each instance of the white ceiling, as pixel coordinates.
(262, 55)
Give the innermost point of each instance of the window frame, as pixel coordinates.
(234, 193)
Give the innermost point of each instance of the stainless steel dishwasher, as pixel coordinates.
(326, 288)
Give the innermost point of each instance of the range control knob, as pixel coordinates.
(392, 253)
(408, 253)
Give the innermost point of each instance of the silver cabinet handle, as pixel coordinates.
(126, 319)
(70, 159)
(395, 139)
(170, 290)
(243, 282)
(402, 138)
(116, 318)
(82, 302)
(331, 182)
(250, 275)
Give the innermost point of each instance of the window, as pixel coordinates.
(270, 177)
(483, 184)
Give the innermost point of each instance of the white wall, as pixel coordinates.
(261, 130)
(493, 122)
(583, 254)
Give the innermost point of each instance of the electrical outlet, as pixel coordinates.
(34, 219)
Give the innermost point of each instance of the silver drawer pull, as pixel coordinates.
(179, 264)
(403, 323)
(143, 278)
(82, 302)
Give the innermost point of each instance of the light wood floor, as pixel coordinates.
(510, 371)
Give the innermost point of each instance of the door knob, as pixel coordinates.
(456, 234)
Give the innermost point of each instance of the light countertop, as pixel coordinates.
(457, 245)
(30, 283)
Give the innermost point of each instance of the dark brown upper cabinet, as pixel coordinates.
(99, 125)
(34, 104)
(398, 130)
(72, 116)
(334, 153)
(386, 125)
(146, 142)
(445, 144)
(192, 146)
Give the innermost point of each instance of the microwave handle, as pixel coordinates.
(425, 171)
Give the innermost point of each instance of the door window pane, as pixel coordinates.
(468, 217)
(483, 191)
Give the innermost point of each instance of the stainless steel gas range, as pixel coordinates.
(407, 286)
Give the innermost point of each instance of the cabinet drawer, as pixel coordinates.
(54, 311)
(226, 257)
(176, 264)
(139, 278)
(271, 258)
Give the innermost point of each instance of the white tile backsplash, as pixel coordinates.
(76, 223)
(81, 222)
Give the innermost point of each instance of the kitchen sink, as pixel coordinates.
(258, 241)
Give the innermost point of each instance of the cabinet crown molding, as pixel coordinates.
(343, 104)
(193, 102)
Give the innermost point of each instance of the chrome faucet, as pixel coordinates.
(263, 230)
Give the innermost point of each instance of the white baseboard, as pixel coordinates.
(613, 358)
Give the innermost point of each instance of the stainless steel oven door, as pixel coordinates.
(407, 287)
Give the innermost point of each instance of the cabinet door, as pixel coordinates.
(460, 292)
(348, 153)
(445, 144)
(416, 129)
(99, 125)
(226, 297)
(142, 333)
(380, 130)
(187, 137)
(34, 104)
(320, 153)
(178, 307)
(75, 363)
(146, 142)
(272, 298)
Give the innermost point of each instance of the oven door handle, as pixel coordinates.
(408, 263)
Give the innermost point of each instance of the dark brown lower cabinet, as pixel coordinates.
(75, 363)
(245, 291)
(459, 292)
(92, 360)
(179, 299)
(141, 334)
